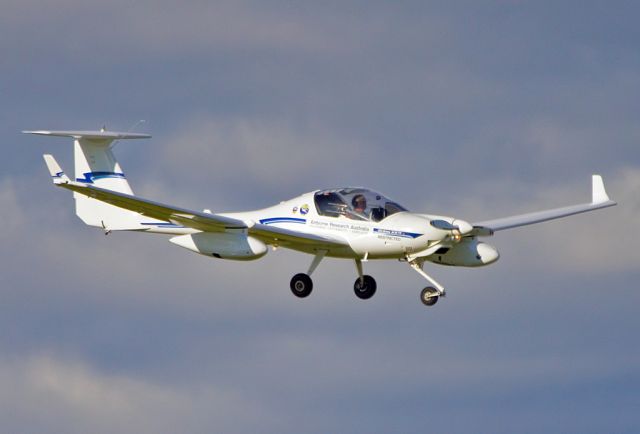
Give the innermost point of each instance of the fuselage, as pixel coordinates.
(394, 236)
(382, 230)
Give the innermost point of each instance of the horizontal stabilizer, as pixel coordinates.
(90, 135)
(54, 170)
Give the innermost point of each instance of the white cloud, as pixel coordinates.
(228, 159)
(605, 241)
(48, 394)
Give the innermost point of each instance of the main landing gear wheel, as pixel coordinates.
(301, 285)
(365, 287)
(429, 296)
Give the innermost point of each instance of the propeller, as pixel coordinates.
(458, 228)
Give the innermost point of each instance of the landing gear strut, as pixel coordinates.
(365, 285)
(429, 295)
(301, 284)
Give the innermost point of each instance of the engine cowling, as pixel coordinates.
(224, 245)
(467, 253)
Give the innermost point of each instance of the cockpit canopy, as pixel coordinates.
(355, 203)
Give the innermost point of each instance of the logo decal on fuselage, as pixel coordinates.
(393, 233)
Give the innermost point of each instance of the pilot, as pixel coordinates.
(359, 203)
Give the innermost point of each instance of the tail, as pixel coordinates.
(95, 164)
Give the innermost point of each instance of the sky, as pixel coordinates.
(473, 109)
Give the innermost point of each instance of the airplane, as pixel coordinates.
(350, 222)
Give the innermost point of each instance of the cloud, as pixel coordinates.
(155, 339)
(601, 242)
(49, 394)
(596, 242)
(477, 111)
(160, 29)
(235, 161)
(320, 372)
(80, 263)
(13, 218)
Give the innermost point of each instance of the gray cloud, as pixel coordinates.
(474, 110)
(14, 218)
(578, 243)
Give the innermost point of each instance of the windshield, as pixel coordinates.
(356, 204)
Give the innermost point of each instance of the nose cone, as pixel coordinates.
(463, 226)
(487, 253)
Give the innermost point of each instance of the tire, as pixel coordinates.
(301, 285)
(427, 298)
(366, 289)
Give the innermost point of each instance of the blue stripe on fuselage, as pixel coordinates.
(282, 220)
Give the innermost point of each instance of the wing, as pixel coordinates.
(193, 219)
(599, 199)
(288, 238)
(155, 210)
(202, 221)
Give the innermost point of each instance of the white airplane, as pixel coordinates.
(352, 223)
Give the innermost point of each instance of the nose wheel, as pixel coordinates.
(429, 296)
(301, 285)
(364, 287)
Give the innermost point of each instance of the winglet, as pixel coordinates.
(54, 169)
(598, 194)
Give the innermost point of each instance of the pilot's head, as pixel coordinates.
(359, 203)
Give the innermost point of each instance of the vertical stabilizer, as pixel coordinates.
(95, 164)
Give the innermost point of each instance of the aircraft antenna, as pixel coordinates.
(131, 128)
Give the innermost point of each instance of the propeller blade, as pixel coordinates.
(443, 224)
(463, 226)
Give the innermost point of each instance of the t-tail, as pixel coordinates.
(95, 164)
